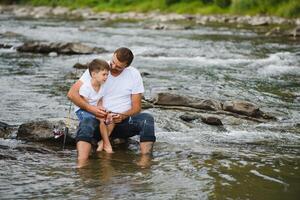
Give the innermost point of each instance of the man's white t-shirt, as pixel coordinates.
(117, 90)
(87, 91)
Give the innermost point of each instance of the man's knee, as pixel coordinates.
(147, 133)
(146, 116)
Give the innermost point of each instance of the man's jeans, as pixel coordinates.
(141, 124)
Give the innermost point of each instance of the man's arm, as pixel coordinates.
(136, 107)
(74, 96)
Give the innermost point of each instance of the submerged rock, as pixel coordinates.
(5, 46)
(189, 117)
(60, 48)
(212, 121)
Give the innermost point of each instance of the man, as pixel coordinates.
(123, 89)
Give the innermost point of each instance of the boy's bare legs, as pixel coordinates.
(105, 138)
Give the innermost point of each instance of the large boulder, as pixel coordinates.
(43, 131)
(169, 99)
(60, 48)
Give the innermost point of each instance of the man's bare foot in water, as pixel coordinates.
(107, 148)
(100, 146)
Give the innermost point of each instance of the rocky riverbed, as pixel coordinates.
(225, 98)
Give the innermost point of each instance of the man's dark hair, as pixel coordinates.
(98, 65)
(124, 55)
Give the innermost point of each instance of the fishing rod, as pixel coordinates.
(59, 132)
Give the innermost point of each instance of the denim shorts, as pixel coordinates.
(81, 114)
(141, 124)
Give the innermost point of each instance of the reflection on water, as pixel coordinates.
(245, 160)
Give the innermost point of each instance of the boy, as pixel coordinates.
(92, 93)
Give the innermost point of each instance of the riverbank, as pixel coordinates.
(281, 8)
(89, 14)
(270, 25)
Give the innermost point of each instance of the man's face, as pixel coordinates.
(116, 65)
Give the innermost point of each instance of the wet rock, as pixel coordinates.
(167, 27)
(145, 74)
(212, 121)
(53, 54)
(155, 55)
(61, 48)
(7, 157)
(6, 130)
(80, 66)
(243, 108)
(295, 32)
(27, 148)
(42, 131)
(5, 46)
(9, 34)
(189, 117)
(169, 99)
(60, 11)
(259, 21)
(274, 31)
(146, 104)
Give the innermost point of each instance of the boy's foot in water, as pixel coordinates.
(100, 146)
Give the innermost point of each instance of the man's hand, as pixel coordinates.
(97, 111)
(118, 118)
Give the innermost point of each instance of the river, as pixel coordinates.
(191, 160)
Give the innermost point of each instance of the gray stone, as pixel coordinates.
(61, 48)
(169, 99)
(212, 121)
(42, 131)
(5, 46)
(189, 117)
(80, 66)
(243, 108)
(295, 32)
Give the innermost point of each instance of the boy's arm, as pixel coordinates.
(74, 96)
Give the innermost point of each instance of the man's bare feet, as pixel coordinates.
(107, 148)
(100, 146)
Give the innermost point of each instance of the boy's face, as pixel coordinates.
(101, 76)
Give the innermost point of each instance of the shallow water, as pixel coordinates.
(191, 160)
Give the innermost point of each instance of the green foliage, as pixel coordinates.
(239, 6)
(284, 8)
(291, 9)
(223, 3)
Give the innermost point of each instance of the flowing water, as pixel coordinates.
(248, 160)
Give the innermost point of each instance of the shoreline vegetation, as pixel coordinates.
(268, 25)
(280, 8)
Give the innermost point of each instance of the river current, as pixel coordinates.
(191, 160)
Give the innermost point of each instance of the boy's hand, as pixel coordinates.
(98, 112)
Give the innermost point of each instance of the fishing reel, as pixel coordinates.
(57, 132)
